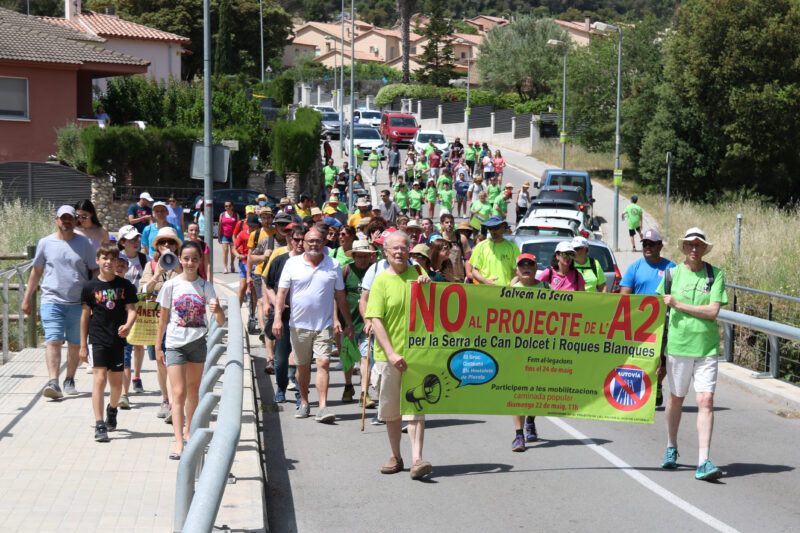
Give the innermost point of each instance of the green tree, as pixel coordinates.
(517, 57)
(732, 64)
(437, 56)
(224, 52)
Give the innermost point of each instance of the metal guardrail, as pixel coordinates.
(773, 330)
(24, 334)
(196, 509)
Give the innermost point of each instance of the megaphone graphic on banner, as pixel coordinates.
(168, 261)
(429, 390)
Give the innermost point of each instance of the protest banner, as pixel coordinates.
(483, 349)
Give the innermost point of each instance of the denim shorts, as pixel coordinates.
(194, 352)
(61, 322)
(243, 269)
(224, 239)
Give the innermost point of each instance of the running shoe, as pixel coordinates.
(168, 418)
(348, 394)
(302, 411)
(530, 432)
(377, 421)
(124, 402)
(101, 432)
(270, 368)
(519, 444)
(292, 385)
(280, 396)
(111, 418)
(325, 416)
(164, 410)
(671, 459)
(137, 385)
(52, 390)
(707, 471)
(69, 386)
(370, 402)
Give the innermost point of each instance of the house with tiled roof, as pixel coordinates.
(46, 75)
(162, 49)
(579, 32)
(333, 58)
(383, 43)
(484, 23)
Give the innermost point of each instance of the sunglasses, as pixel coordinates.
(649, 244)
(167, 242)
(567, 254)
(526, 264)
(296, 239)
(83, 217)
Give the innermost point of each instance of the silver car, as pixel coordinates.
(368, 138)
(543, 247)
(331, 125)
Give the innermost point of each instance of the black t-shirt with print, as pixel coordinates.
(107, 300)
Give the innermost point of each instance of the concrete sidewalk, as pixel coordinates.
(55, 477)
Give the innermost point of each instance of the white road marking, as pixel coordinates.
(646, 482)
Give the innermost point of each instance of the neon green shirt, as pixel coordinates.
(401, 199)
(446, 197)
(470, 154)
(493, 191)
(443, 179)
(484, 210)
(429, 149)
(592, 274)
(374, 160)
(495, 260)
(430, 194)
(359, 153)
(502, 204)
(633, 214)
(688, 335)
(330, 173)
(421, 167)
(388, 300)
(414, 199)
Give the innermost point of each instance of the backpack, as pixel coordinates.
(709, 278)
(594, 266)
(142, 260)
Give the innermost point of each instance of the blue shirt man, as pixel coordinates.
(645, 275)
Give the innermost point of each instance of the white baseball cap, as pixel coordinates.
(66, 210)
(128, 232)
(146, 196)
(579, 242)
(564, 246)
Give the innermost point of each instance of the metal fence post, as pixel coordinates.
(737, 235)
(32, 336)
(727, 341)
(774, 356)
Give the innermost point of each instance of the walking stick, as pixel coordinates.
(365, 379)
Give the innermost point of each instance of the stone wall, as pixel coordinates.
(112, 214)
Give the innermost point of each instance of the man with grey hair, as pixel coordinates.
(315, 280)
(387, 309)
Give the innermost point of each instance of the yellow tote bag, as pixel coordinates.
(145, 328)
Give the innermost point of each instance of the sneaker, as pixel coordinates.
(530, 432)
(404, 429)
(302, 411)
(280, 396)
(168, 418)
(270, 368)
(337, 365)
(325, 416)
(69, 386)
(137, 385)
(519, 444)
(671, 459)
(377, 421)
(421, 469)
(659, 396)
(392, 466)
(101, 432)
(370, 402)
(124, 402)
(52, 390)
(111, 418)
(348, 394)
(707, 471)
(292, 385)
(164, 410)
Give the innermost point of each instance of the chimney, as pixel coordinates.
(110, 10)
(587, 24)
(72, 8)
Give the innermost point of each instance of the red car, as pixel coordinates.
(398, 128)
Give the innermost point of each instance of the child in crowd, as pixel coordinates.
(182, 328)
(109, 312)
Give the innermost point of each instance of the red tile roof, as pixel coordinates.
(111, 26)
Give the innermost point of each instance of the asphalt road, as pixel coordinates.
(581, 475)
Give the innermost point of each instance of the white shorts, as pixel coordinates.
(681, 370)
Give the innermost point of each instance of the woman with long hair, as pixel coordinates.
(227, 223)
(440, 258)
(499, 164)
(562, 274)
(89, 225)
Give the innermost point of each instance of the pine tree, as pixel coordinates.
(225, 53)
(438, 55)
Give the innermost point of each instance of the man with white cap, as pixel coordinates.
(643, 277)
(139, 214)
(160, 213)
(64, 262)
(694, 292)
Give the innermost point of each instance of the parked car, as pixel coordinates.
(543, 247)
(550, 227)
(331, 125)
(367, 117)
(557, 176)
(367, 137)
(570, 193)
(324, 108)
(240, 199)
(398, 128)
(555, 207)
(548, 214)
(439, 141)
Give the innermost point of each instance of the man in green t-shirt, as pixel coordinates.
(470, 155)
(692, 344)
(633, 214)
(374, 161)
(494, 259)
(429, 148)
(446, 197)
(401, 196)
(359, 153)
(330, 172)
(387, 310)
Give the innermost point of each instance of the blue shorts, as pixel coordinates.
(243, 269)
(61, 322)
(224, 239)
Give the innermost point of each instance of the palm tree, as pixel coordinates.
(406, 9)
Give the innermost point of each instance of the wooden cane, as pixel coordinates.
(365, 380)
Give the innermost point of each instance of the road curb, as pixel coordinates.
(783, 395)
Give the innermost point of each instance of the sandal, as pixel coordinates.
(175, 456)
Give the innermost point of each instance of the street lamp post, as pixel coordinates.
(469, 77)
(352, 102)
(603, 27)
(563, 136)
(341, 97)
(261, 31)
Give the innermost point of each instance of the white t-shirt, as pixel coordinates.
(312, 291)
(186, 302)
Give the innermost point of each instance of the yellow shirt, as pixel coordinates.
(355, 218)
(278, 251)
(251, 244)
(302, 213)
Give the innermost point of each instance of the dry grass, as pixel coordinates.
(23, 225)
(549, 151)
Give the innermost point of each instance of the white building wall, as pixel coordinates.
(164, 57)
